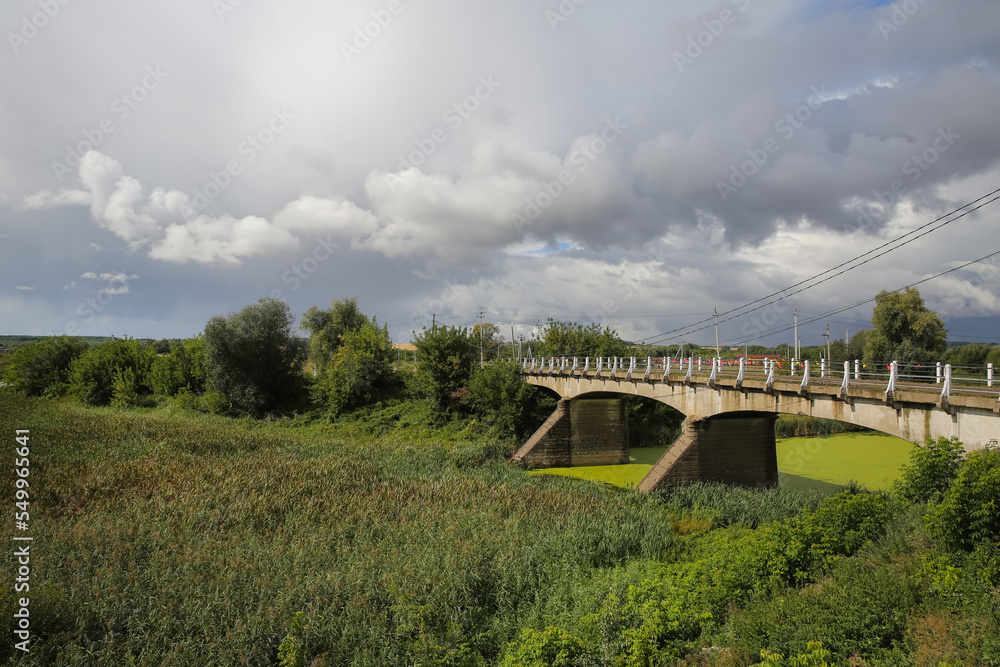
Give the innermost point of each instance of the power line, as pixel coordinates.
(684, 331)
(869, 300)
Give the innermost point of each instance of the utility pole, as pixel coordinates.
(796, 316)
(433, 322)
(827, 336)
(520, 346)
(482, 361)
(512, 353)
(717, 353)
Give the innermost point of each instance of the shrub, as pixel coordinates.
(969, 510)
(445, 357)
(361, 371)
(815, 658)
(118, 370)
(931, 470)
(183, 367)
(552, 647)
(503, 399)
(41, 368)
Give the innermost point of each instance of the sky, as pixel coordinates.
(637, 164)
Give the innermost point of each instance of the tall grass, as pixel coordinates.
(169, 540)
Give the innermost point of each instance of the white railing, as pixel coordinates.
(893, 376)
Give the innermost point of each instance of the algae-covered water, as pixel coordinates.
(826, 462)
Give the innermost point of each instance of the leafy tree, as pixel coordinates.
(502, 397)
(971, 354)
(446, 357)
(575, 340)
(905, 330)
(41, 368)
(327, 326)
(251, 357)
(856, 346)
(183, 367)
(361, 371)
(969, 510)
(932, 468)
(116, 372)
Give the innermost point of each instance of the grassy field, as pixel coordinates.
(165, 537)
(820, 462)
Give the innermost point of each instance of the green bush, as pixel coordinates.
(118, 370)
(815, 658)
(446, 357)
(361, 371)
(969, 510)
(182, 368)
(932, 468)
(552, 647)
(504, 400)
(41, 368)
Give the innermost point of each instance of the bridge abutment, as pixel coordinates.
(580, 432)
(734, 448)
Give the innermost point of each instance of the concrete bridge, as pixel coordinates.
(730, 408)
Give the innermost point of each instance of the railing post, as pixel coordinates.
(769, 384)
(938, 375)
(614, 367)
(857, 369)
(699, 364)
(989, 375)
(715, 372)
(573, 370)
(666, 367)
(586, 366)
(891, 388)
(562, 365)
(847, 374)
(649, 368)
(793, 366)
(804, 387)
(687, 378)
(742, 373)
(631, 368)
(600, 365)
(822, 368)
(946, 389)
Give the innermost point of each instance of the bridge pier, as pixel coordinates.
(732, 448)
(581, 432)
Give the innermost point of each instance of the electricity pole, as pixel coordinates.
(827, 336)
(482, 361)
(796, 316)
(717, 353)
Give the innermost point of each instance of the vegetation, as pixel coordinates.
(570, 339)
(41, 368)
(251, 357)
(381, 541)
(381, 525)
(113, 373)
(327, 326)
(904, 329)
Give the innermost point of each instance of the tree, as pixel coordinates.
(856, 346)
(113, 373)
(252, 358)
(446, 357)
(488, 337)
(326, 326)
(361, 371)
(504, 400)
(969, 511)
(41, 368)
(575, 340)
(905, 330)
(183, 367)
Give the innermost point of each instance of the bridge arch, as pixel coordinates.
(728, 435)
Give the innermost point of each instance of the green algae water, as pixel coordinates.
(818, 462)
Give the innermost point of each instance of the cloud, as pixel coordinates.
(25, 288)
(117, 204)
